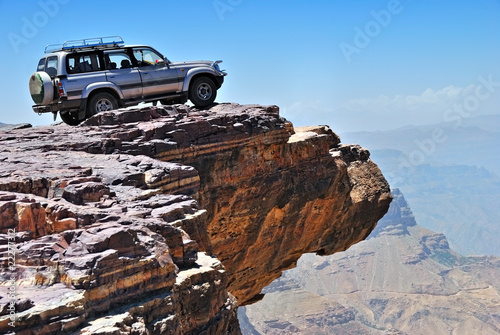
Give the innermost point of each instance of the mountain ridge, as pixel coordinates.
(452, 184)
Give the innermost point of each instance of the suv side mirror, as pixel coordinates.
(161, 62)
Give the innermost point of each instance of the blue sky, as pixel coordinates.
(355, 65)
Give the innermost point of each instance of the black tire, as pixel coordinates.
(202, 92)
(71, 118)
(100, 102)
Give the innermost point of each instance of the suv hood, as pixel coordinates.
(193, 63)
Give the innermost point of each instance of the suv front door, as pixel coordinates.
(158, 79)
(120, 71)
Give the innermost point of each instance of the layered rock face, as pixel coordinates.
(152, 220)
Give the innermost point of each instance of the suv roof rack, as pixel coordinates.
(87, 43)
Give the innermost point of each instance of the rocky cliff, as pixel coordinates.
(157, 220)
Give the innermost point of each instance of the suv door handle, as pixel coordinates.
(146, 72)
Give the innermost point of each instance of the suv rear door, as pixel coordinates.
(120, 71)
(157, 77)
(83, 69)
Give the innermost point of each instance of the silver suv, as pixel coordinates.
(81, 78)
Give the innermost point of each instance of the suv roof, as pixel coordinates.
(86, 44)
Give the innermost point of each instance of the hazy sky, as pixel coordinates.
(355, 65)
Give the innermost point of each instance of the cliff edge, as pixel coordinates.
(157, 220)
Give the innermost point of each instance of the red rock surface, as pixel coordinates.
(121, 222)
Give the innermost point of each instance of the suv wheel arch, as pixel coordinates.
(193, 74)
(102, 86)
(100, 101)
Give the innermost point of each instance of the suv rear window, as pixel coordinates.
(51, 66)
(48, 65)
(82, 62)
(41, 65)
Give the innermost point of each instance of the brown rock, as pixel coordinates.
(111, 216)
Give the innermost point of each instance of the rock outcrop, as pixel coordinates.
(156, 220)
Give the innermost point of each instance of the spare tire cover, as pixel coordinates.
(41, 88)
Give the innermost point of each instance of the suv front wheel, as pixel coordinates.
(202, 92)
(100, 102)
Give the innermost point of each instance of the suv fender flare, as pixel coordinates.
(96, 86)
(193, 72)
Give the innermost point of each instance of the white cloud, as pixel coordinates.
(388, 112)
(429, 98)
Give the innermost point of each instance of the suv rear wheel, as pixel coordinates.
(70, 118)
(202, 92)
(100, 102)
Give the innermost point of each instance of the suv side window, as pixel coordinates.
(117, 59)
(82, 62)
(146, 56)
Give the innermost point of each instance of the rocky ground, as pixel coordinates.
(158, 220)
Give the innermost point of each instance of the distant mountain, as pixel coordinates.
(7, 126)
(475, 142)
(452, 181)
(403, 279)
(458, 200)
(486, 122)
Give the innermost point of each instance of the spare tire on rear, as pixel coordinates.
(41, 88)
